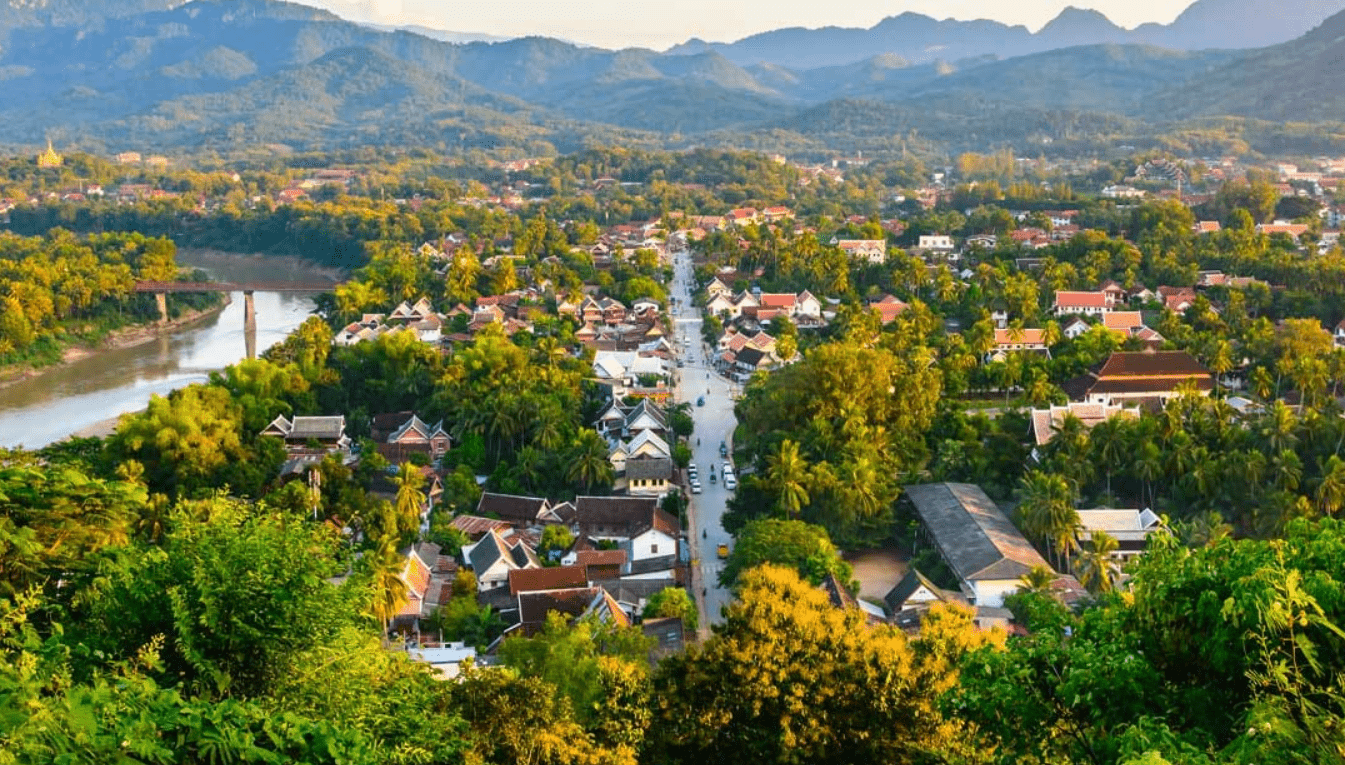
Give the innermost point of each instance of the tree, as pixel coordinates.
(233, 596)
(390, 591)
(517, 718)
(1098, 568)
(794, 544)
(589, 466)
(1047, 512)
(566, 656)
(673, 602)
(186, 441)
(777, 684)
(787, 473)
(556, 540)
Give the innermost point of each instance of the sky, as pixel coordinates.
(658, 25)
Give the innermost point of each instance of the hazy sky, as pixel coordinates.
(623, 23)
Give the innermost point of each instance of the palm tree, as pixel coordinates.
(1278, 428)
(1109, 445)
(787, 472)
(1047, 512)
(390, 589)
(589, 465)
(1204, 530)
(411, 498)
(1149, 467)
(1038, 579)
(1098, 570)
(1050, 333)
(1331, 489)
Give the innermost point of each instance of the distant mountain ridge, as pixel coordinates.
(1205, 24)
(215, 73)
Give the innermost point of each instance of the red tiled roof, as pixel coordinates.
(556, 578)
(1070, 299)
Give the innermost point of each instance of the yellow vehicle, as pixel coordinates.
(723, 551)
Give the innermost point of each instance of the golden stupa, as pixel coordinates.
(49, 158)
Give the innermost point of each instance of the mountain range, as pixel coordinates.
(1205, 24)
(228, 73)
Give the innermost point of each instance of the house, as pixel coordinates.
(636, 524)
(1130, 528)
(1124, 323)
(1074, 327)
(398, 436)
(601, 564)
(1340, 333)
(519, 512)
(1013, 340)
(1115, 292)
(1207, 227)
(888, 308)
(911, 599)
(871, 250)
(668, 634)
(982, 548)
(935, 243)
(1292, 230)
(1177, 299)
(1045, 422)
(541, 579)
(492, 558)
(320, 435)
(475, 527)
(716, 288)
(428, 577)
(743, 216)
(1082, 303)
(1122, 192)
(807, 305)
(841, 598)
(446, 660)
(573, 603)
(1146, 375)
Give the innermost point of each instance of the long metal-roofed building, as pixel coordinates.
(981, 546)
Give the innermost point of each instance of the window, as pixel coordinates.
(653, 549)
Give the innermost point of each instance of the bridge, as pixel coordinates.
(161, 290)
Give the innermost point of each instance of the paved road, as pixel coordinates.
(714, 423)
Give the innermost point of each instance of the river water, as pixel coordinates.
(80, 395)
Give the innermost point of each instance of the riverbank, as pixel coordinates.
(126, 337)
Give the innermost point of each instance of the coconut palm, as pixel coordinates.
(1108, 439)
(390, 589)
(1047, 512)
(1098, 570)
(589, 465)
(787, 473)
(1330, 495)
(411, 498)
(1204, 530)
(1037, 579)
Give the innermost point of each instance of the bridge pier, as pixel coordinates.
(250, 324)
(161, 300)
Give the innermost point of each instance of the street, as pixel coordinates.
(715, 422)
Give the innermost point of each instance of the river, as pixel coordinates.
(79, 396)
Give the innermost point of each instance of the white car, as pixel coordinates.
(730, 482)
(691, 468)
(695, 486)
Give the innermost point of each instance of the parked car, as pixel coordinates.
(723, 449)
(695, 486)
(730, 482)
(723, 551)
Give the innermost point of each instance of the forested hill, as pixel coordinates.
(222, 74)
